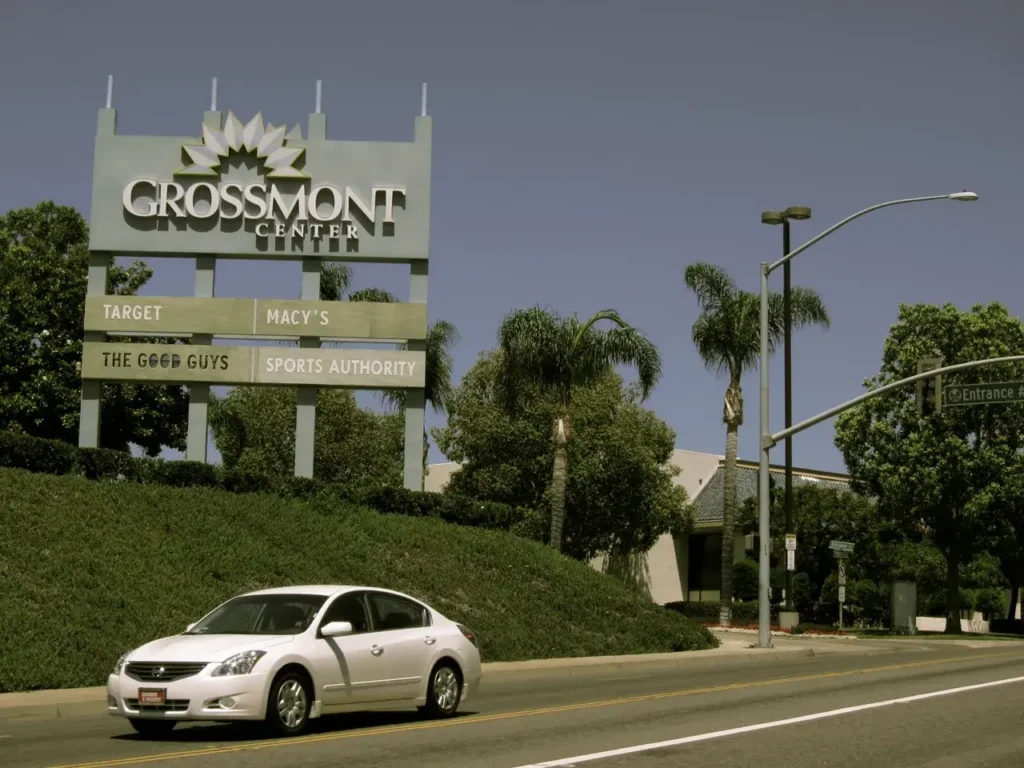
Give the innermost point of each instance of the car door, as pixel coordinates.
(405, 634)
(350, 669)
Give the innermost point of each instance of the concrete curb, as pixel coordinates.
(71, 702)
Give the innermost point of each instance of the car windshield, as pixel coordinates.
(261, 615)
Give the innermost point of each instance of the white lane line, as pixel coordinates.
(571, 761)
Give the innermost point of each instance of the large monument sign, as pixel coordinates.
(252, 190)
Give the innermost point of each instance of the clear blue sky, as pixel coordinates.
(586, 152)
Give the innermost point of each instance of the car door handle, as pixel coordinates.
(430, 640)
(376, 650)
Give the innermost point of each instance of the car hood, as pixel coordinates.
(208, 648)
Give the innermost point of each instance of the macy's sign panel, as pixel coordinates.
(312, 197)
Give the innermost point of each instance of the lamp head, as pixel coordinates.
(773, 217)
(798, 213)
(964, 196)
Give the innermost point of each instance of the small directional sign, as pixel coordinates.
(790, 560)
(983, 394)
(842, 594)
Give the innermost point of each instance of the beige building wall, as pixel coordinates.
(667, 560)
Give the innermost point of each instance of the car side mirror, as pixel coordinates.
(336, 629)
(189, 627)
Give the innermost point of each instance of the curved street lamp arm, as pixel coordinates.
(772, 267)
(835, 411)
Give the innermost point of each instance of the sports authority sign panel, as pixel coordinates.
(189, 364)
(362, 320)
(255, 190)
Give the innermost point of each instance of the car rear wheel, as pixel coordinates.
(289, 704)
(153, 727)
(444, 691)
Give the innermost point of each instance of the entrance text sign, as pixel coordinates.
(281, 366)
(983, 394)
(361, 320)
(252, 190)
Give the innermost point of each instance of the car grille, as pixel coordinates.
(171, 705)
(156, 672)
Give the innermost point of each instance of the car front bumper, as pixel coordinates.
(200, 697)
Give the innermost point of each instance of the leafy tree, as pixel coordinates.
(1008, 541)
(44, 266)
(940, 477)
(819, 516)
(254, 430)
(727, 334)
(620, 495)
(556, 356)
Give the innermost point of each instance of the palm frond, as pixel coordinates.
(628, 346)
(711, 284)
(373, 294)
(335, 279)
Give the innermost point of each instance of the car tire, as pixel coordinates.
(152, 727)
(444, 691)
(289, 704)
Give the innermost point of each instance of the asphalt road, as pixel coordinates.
(571, 718)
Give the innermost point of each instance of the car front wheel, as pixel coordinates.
(444, 691)
(153, 727)
(289, 704)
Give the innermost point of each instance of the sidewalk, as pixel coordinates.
(69, 702)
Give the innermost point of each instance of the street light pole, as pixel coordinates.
(765, 438)
(800, 213)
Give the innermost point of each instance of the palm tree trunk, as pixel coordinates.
(559, 479)
(733, 417)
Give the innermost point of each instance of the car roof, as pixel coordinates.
(322, 590)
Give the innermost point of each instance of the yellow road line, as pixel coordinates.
(389, 729)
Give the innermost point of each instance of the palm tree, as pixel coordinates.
(560, 355)
(728, 338)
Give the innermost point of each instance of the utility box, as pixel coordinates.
(903, 613)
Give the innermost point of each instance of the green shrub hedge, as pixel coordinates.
(92, 569)
(54, 457)
(709, 611)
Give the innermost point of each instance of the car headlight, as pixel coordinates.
(120, 664)
(239, 664)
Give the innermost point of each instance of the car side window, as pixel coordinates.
(393, 612)
(349, 607)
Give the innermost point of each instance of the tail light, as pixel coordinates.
(468, 634)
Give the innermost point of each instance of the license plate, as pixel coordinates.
(151, 696)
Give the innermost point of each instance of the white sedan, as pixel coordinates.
(291, 654)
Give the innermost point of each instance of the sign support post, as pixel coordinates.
(305, 413)
(92, 391)
(205, 279)
(841, 550)
(415, 399)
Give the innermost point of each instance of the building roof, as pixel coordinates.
(710, 501)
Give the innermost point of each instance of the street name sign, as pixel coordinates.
(840, 546)
(983, 394)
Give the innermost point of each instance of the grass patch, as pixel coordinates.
(91, 569)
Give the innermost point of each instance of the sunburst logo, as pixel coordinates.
(266, 141)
